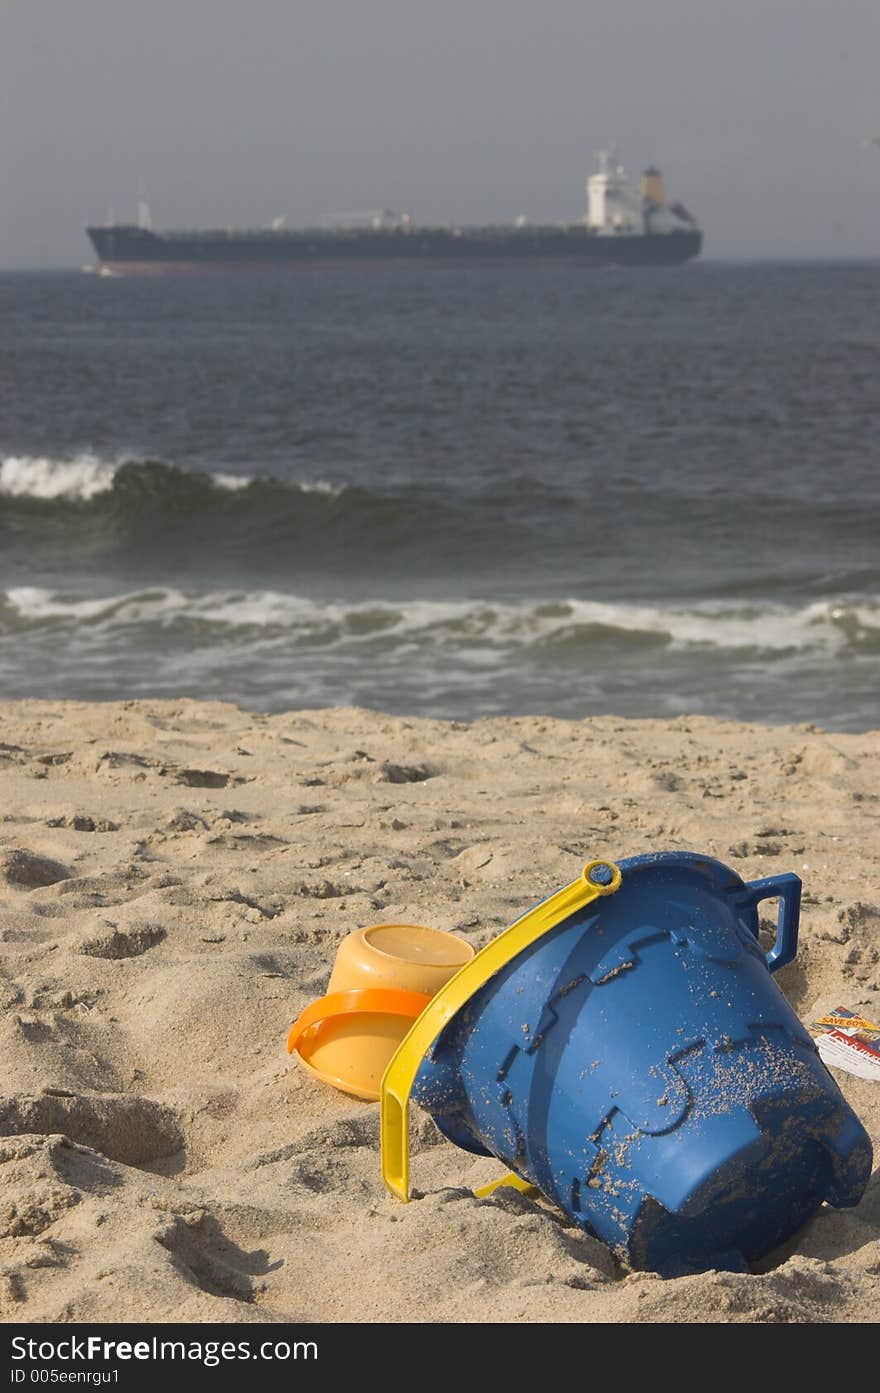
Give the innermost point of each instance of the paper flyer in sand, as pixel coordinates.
(849, 1041)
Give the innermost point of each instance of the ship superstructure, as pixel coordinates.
(614, 208)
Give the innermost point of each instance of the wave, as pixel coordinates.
(86, 476)
(159, 517)
(88, 513)
(560, 627)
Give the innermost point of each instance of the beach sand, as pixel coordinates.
(174, 879)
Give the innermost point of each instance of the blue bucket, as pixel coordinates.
(640, 1067)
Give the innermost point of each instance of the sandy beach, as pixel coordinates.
(174, 879)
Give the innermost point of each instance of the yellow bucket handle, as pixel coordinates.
(399, 1077)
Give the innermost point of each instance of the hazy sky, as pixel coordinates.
(237, 111)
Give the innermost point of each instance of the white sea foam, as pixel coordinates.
(468, 625)
(31, 476)
(723, 626)
(32, 602)
(319, 486)
(233, 482)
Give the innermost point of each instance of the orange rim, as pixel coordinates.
(387, 1001)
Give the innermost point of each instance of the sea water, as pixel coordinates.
(448, 493)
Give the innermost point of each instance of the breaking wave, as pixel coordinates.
(87, 476)
(159, 520)
(566, 625)
(158, 515)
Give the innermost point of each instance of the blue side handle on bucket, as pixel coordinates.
(788, 889)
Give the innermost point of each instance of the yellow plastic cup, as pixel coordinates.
(407, 956)
(383, 978)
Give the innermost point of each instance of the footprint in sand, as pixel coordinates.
(113, 942)
(206, 1258)
(27, 870)
(136, 1131)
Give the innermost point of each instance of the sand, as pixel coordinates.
(174, 877)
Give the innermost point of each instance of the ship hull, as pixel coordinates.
(137, 251)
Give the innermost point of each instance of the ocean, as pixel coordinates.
(449, 493)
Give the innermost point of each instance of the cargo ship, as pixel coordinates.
(622, 227)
